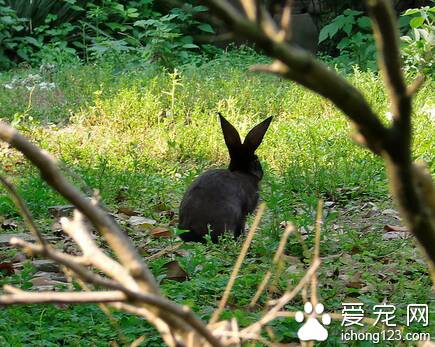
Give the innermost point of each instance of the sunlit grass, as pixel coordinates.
(154, 131)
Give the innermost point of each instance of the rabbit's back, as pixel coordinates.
(220, 199)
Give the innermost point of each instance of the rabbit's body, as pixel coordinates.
(219, 200)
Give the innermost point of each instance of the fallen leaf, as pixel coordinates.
(369, 214)
(290, 259)
(390, 228)
(128, 211)
(165, 251)
(160, 232)
(8, 168)
(390, 211)
(346, 259)
(56, 228)
(62, 306)
(167, 214)
(7, 267)
(121, 196)
(61, 210)
(141, 222)
(46, 265)
(292, 269)
(355, 284)
(161, 206)
(355, 249)
(175, 272)
(392, 235)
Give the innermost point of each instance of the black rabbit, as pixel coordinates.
(219, 200)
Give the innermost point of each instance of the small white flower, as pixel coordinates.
(389, 116)
(8, 86)
(430, 111)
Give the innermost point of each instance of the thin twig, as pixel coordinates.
(60, 297)
(250, 8)
(398, 147)
(50, 172)
(387, 40)
(164, 251)
(415, 85)
(281, 302)
(68, 261)
(77, 230)
(24, 211)
(288, 230)
(286, 27)
(238, 264)
(316, 253)
(164, 304)
(309, 72)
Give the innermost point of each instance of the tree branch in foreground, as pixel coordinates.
(392, 143)
(177, 324)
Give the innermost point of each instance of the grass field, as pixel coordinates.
(147, 133)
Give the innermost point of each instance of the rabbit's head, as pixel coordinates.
(242, 155)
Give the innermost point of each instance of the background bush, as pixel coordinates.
(353, 34)
(68, 31)
(63, 31)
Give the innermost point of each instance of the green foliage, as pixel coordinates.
(356, 45)
(128, 119)
(63, 31)
(418, 42)
(154, 131)
(10, 25)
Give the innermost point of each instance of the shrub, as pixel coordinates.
(58, 32)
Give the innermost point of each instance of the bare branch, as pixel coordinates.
(415, 86)
(24, 211)
(288, 230)
(280, 303)
(306, 70)
(399, 160)
(393, 144)
(164, 304)
(60, 297)
(250, 8)
(78, 232)
(387, 40)
(68, 261)
(99, 218)
(286, 26)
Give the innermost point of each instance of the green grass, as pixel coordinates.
(154, 131)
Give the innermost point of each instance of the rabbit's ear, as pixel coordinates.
(255, 136)
(231, 136)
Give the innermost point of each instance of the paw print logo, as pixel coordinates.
(312, 330)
